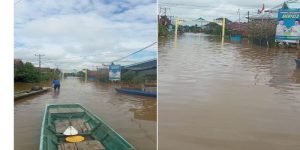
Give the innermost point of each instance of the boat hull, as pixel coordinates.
(136, 92)
(92, 128)
(297, 62)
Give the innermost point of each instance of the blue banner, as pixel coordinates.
(114, 72)
(288, 24)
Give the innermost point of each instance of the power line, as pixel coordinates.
(57, 60)
(163, 11)
(40, 59)
(135, 52)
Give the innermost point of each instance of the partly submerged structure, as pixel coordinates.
(143, 68)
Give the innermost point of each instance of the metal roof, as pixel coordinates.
(273, 12)
(149, 64)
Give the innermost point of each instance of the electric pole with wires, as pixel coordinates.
(40, 59)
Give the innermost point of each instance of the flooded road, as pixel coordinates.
(134, 117)
(235, 97)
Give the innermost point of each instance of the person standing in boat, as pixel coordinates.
(56, 84)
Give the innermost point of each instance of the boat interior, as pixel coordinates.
(96, 134)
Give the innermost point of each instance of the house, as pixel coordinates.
(18, 63)
(49, 70)
(238, 28)
(272, 14)
(148, 67)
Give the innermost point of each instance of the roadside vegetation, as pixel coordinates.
(131, 77)
(29, 74)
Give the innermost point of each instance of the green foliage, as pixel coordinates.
(138, 80)
(133, 77)
(214, 29)
(261, 32)
(27, 73)
(128, 76)
(163, 31)
(193, 28)
(150, 77)
(80, 74)
(48, 76)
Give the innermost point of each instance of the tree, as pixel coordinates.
(262, 32)
(27, 73)
(128, 76)
(80, 74)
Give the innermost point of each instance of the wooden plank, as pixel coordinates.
(88, 126)
(81, 125)
(69, 146)
(60, 147)
(65, 110)
(90, 145)
(61, 125)
(78, 124)
(53, 110)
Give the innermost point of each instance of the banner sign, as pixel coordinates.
(288, 24)
(114, 72)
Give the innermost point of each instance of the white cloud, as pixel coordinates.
(65, 31)
(210, 10)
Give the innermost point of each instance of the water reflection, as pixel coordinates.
(99, 98)
(296, 75)
(239, 97)
(146, 112)
(55, 94)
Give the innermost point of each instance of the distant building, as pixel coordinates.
(272, 14)
(238, 27)
(49, 70)
(103, 74)
(143, 68)
(91, 73)
(103, 71)
(164, 20)
(18, 63)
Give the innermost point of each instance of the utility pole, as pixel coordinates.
(239, 13)
(248, 16)
(163, 11)
(223, 31)
(40, 59)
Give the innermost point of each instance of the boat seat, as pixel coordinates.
(65, 110)
(84, 145)
(79, 124)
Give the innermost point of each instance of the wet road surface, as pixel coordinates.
(235, 97)
(134, 117)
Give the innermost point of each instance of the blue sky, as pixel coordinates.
(101, 30)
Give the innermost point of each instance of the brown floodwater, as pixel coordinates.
(230, 97)
(134, 117)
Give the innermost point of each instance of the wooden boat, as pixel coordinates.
(92, 132)
(136, 92)
(297, 62)
(27, 93)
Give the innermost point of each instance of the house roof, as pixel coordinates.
(18, 61)
(149, 64)
(273, 12)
